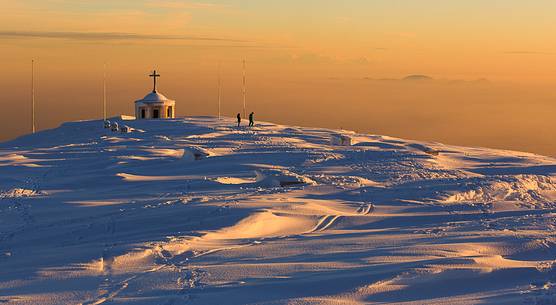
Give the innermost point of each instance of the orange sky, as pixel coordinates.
(312, 62)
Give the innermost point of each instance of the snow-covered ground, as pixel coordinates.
(197, 211)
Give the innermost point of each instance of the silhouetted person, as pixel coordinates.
(251, 121)
(238, 119)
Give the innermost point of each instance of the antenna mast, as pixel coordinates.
(33, 95)
(104, 92)
(244, 113)
(219, 91)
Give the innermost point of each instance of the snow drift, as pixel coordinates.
(198, 211)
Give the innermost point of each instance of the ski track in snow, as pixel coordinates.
(196, 211)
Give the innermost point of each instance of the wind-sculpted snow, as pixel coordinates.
(519, 188)
(197, 211)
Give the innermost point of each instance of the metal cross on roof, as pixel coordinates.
(154, 76)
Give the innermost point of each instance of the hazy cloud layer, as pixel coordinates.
(183, 5)
(529, 53)
(109, 36)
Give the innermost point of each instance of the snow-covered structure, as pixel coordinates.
(114, 126)
(340, 140)
(155, 105)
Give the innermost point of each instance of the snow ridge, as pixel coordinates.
(198, 211)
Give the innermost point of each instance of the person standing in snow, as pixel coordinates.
(238, 119)
(251, 121)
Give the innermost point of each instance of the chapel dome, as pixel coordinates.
(154, 97)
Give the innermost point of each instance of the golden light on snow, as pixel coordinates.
(197, 211)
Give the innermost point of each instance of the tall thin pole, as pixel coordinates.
(244, 93)
(104, 92)
(219, 91)
(33, 96)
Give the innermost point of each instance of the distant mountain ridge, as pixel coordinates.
(417, 77)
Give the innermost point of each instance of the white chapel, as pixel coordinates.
(155, 105)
